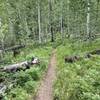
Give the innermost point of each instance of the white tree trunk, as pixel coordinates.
(39, 22)
(61, 20)
(26, 26)
(68, 29)
(88, 18)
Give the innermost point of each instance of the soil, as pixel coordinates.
(45, 91)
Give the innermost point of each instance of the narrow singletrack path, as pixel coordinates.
(46, 89)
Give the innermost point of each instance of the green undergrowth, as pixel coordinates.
(79, 80)
(42, 52)
(22, 85)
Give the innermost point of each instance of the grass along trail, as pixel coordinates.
(46, 88)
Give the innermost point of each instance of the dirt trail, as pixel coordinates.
(46, 88)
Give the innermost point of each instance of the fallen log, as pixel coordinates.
(97, 52)
(20, 66)
(15, 48)
(2, 89)
(12, 48)
(15, 67)
(72, 59)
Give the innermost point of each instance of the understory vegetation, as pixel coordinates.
(23, 85)
(79, 80)
(31, 29)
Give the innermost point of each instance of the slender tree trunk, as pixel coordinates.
(26, 27)
(50, 18)
(39, 22)
(2, 39)
(68, 29)
(88, 18)
(61, 20)
(97, 16)
(46, 33)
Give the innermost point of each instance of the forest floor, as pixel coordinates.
(45, 91)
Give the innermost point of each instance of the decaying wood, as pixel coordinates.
(97, 52)
(12, 48)
(71, 59)
(88, 55)
(15, 67)
(20, 66)
(15, 48)
(2, 89)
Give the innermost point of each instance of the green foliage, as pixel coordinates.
(17, 94)
(43, 65)
(57, 43)
(79, 80)
(26, 82)
(30, 86)
(22, 78)
(35, 74)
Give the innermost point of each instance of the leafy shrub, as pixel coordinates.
(22, 78)
(17, 94)
(43, 66)
(30, 86)
(34, 73)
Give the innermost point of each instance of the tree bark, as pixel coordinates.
(39, 22)
(51, 22)
(88, 18)
(68, 29)
(61, 20)
(15, 67)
